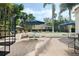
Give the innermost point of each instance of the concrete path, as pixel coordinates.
(58, 47)
(55, 47)
(23, 47)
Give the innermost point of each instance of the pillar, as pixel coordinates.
(69, 28)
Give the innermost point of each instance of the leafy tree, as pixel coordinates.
(26, 17)
(31, 17)
(48, 21)
(18, 21)
(11, 13)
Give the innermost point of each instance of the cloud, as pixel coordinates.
(39, 14)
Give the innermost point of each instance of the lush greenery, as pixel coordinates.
(57, 22)
(12, 14)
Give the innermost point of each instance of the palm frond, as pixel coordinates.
(45, 4)
(63, 7)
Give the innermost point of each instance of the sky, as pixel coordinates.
(40, 13)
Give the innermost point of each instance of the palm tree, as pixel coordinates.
(53, 13)
(67, 6)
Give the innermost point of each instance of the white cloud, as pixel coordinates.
(27, 10)
(39, 14)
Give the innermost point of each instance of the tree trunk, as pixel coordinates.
(69, 14)
(70, 20)
(52, 17)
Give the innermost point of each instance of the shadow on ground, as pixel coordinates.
(70, 43)
(6, 43)
(3, 53)
(67, 41)
(71, 53)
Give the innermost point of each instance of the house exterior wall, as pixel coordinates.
(41, 26)
(77, 20)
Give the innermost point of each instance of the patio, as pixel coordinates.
(42, 45)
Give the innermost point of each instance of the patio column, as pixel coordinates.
(69, 28)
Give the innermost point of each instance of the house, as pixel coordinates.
(38, 26)
(41, 27)
(68, 26)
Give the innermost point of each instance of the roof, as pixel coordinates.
(35, 22)
(65, 24)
